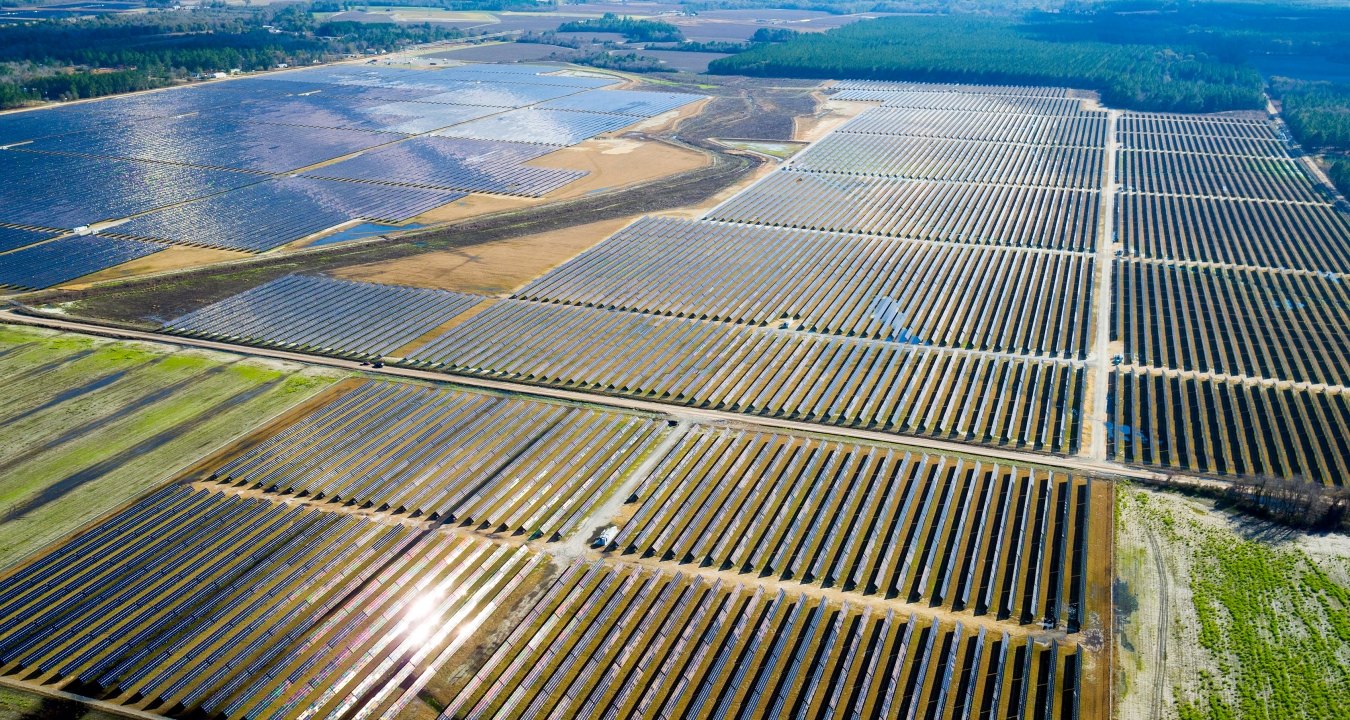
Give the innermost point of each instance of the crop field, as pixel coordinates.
(1240, 321)
(500, 463)
(317, 314)
(215, 165)
(254, 608)
(984, 298)
(92, 423)
(896, 387)
(626, 642)
(965, 535)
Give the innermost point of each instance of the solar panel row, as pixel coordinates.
(50, 263)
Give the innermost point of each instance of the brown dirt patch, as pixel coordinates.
(491, 268)
(473, 206)
(829, 115)
(175, 258)
(616, 162)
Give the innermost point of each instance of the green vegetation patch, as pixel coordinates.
(968, 49)
(70, 453)
(1272, 617)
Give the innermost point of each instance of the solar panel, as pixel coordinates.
(470, 165)
(272, 213)
(51, 263)
(638, 103)
(545, 127)
(12, 237)
(67, 191)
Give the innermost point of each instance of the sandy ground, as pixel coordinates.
(830, 114)
(175, 258)
(491, 268)
(619, 161)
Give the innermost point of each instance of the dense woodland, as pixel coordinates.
(122, 53)
(1004, 50)
(631, 28)
(1318, 115)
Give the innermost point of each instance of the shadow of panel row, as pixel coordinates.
(1285, 326)
(499, 463)
(191, 603)
(967, 536)
(1229, 427)
(326, 315)
(963, 296)
(612, 642)
(890, 386)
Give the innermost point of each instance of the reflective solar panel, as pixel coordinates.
(67, 191)
(51, 263)
(460, 164)
(546, 127)
(272, 213)
(221, 141)
(12, 237)
(639, 103)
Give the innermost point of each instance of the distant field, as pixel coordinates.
(89, 424)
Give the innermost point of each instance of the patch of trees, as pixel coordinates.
(1317, 113)
(713, 46)
(122, 53)
(1338, 169)
(631, 28)
(773, 35)
(1295, 502)
(624, 62)
(1001, 50)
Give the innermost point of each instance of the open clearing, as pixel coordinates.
(1247, 620)
(90, 423)
(491, 268)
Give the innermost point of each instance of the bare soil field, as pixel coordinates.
(494, 268)
(90, 423)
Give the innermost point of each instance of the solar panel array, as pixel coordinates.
(502, 463)
(64, 259)
(12, 238)
(326, 315)
(178, 150)
(468, 165)
(535, 125)
(638, 103)
(278, 211)
(1229, 306)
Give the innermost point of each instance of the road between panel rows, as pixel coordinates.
(1076, 464)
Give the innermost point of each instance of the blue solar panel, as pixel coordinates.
(67, 191)
(470, 165)
(58, 261)
(218, 140)
(11, 237)
(276, 212)
(638, 103)
(546, 127)
(533, 74)
(496, 94)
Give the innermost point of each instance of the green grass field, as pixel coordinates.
(90, 423)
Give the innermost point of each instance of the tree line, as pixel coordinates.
(972, 49)
(113, 54)
(631, 28)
